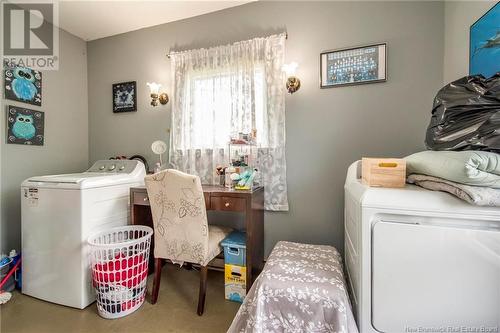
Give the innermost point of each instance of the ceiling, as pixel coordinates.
(96, 19)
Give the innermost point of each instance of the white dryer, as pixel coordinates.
(420, 261)
(59, 213)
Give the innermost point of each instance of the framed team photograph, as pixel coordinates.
(124, 97)
(351, 66)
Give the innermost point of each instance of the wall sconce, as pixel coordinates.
(155, 94)
(292, 82)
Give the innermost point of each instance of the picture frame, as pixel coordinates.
(353, 66)
(484, 38)
(22, 84)
(25, 126)
(125, 97)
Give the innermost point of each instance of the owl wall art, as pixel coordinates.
(23, 84)
(124, 97)
(25, 126)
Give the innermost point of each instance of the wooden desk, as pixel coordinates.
(250, 203)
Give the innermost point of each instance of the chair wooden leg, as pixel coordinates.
(203, 289)
(156, 281)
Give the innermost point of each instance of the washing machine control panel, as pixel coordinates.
(115, 166)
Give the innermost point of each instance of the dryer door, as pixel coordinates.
(436, 277)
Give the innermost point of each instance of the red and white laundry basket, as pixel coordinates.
(119, 259)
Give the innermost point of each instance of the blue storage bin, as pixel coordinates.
(235, 248)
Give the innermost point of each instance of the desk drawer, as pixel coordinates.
(141, 198)
(228, 203)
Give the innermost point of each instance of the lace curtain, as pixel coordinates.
(225, 90)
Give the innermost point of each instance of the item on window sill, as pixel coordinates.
(239, 163)
(241, 142)
(254, 135)
(238, 142)
(221, 172)
(227, 179)
(243, 180)
(240, 160)
(246, 180)
(384, 172)
(244, 138)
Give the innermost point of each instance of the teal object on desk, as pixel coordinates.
(235, 246)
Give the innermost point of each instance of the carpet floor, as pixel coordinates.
(175, 310)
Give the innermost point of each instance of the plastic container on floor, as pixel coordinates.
(235, 248)
(15, 256)
(119, 259)
(235, 282)
(4, 270)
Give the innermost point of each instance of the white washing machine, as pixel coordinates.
(420, 261)
(59, 213)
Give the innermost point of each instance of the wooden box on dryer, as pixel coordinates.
(383, 172)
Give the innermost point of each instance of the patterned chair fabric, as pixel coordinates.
(182, 233)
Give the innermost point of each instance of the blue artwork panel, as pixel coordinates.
(23, 84)
(25, 126)
(484, 53)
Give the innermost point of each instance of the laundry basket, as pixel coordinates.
(119, 260)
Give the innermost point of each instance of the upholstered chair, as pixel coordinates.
(181, 230)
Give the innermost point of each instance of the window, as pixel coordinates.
(221, 91)
(220, 108)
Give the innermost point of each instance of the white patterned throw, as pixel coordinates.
(301, 289)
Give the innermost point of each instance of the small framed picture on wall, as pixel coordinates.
(124, 97)
(22, 84)
(351, 66)
(25, 126)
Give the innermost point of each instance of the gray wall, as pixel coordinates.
(66, 147)
(326, 129)
(459, 15)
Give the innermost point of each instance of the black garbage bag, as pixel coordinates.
(466, 115)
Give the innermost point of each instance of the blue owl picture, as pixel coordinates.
(23, 84)
(25, 126)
